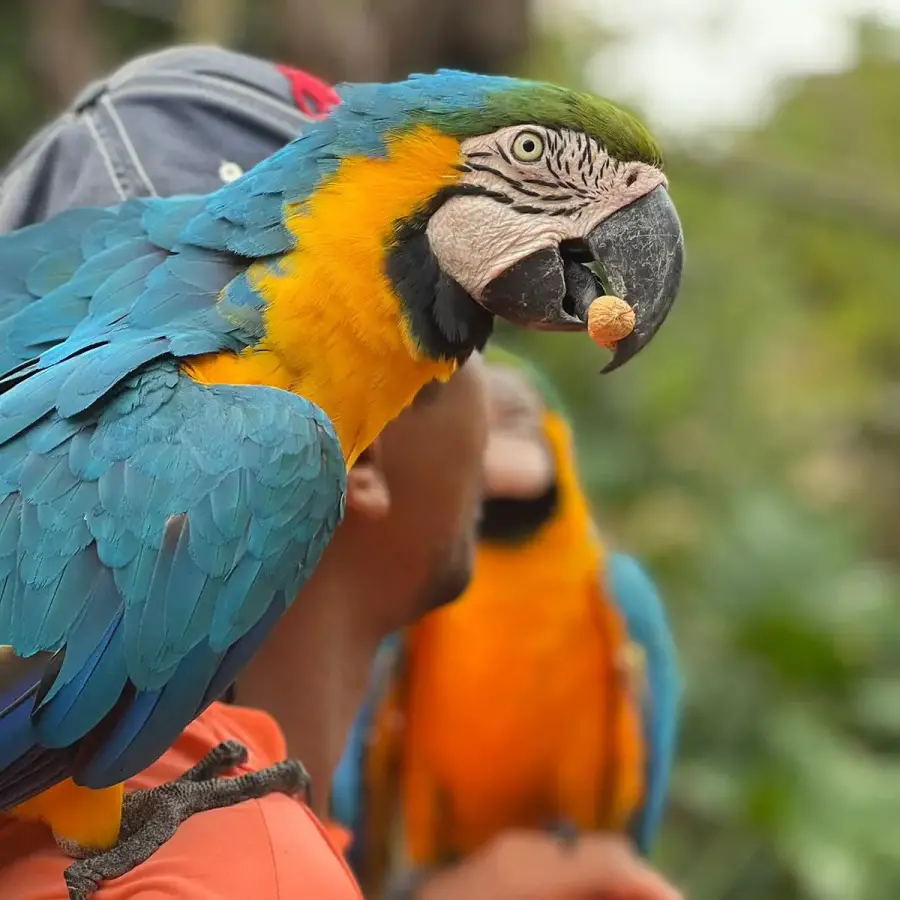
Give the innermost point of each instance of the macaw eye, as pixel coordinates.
(528, 147)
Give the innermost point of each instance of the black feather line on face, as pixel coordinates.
(566, 210)
(541, 182)
(512, 182)
(565, 180)
(445, 321)
(554, 143)
(586, 154)
(559, 158)
(528, 209)
(502, 151)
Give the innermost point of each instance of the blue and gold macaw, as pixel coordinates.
(184, 381)
(547, 696)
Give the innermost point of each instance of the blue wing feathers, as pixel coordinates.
(144, 732)
(40, 326)
(53, 270)
(10, 512)
(84, 701)
(18, 731)
(101, 609)
(22, 250)
(636, 596)
(119, 743)
(240, 652)
(154, 575)
(130, 269)
(102, 369)
(164, 221)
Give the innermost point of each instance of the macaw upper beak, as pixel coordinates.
(640, 252)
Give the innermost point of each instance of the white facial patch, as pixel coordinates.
(539, 186)
(514, 406)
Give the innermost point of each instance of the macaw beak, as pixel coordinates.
(639, 251)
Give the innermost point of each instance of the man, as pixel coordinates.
(187, 120)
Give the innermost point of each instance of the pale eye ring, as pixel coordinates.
(528, 146)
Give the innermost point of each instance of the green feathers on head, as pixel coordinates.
(623, 136)
(464, 105)
(495, 355)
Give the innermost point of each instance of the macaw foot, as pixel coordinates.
(150, 817)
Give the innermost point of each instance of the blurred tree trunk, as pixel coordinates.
(339, 40)
(62, 48)
(210, 21)
(383, 40)
(489, 36)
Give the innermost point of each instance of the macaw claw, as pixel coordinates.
(150, 817)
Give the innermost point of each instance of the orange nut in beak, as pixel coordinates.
(609, 320)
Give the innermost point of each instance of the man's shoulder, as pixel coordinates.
(273, 847)
(268, 848)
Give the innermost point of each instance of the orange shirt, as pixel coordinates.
(270, 848)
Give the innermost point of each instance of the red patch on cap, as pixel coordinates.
(312, 97)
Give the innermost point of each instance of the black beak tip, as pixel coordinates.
(625, 350)
(641, 249)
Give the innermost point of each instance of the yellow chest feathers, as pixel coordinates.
(336, 329)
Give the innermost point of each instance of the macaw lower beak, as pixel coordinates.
(639, 254)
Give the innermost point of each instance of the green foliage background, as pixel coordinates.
(750, 457)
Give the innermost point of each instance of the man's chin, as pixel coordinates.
(450, 585)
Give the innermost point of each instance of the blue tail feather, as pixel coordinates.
(152, 722)
(88, 696)
(241, 652)
(25, 767)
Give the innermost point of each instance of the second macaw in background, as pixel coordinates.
(547, 696)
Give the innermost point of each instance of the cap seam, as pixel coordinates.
(129, 146)
(107, 159)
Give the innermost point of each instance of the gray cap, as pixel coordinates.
(178, 121)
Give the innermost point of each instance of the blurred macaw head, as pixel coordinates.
(523, 456)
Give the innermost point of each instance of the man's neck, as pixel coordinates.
(310, 676)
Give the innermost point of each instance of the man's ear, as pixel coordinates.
(367, 488)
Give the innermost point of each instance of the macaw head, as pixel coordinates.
(530, 470)
(505, 198)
